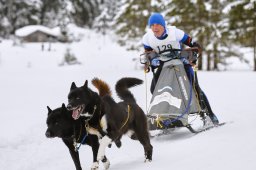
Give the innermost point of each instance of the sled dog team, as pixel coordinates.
(97, 120)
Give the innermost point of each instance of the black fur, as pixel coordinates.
(122, 87)
(117, 114)
(61, 124)
(139, 122)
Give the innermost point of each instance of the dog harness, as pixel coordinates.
(128, 116)
(76, 146)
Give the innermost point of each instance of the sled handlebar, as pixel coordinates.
(189, 53)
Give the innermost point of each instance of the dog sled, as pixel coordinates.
(176, 101)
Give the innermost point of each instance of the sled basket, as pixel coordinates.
(173, 98)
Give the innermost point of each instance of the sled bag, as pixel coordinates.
(172, 93)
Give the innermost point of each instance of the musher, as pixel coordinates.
(160, 38)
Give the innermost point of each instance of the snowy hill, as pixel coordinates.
(31, 79)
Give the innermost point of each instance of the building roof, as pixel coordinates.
(27, 30)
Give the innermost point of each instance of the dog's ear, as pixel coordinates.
(86, 84)
(73, 86)
(63, 106)
(49, 110)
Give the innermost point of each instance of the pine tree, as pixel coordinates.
(191, 17)
(84, 12)
(108, 11)
(4, 23)
(181, 13)
(216, 33)
(201, 31)
(19, 13)
(132, 20)
(49, 11)
(215, 17)
(243, 25)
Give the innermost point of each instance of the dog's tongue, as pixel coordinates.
(75, 114)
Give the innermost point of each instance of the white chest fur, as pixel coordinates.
(93, 131)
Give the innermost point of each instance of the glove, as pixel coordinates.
(195, 44)
(146, 68)
(188, 57)
(155, 62)
(194, 58)
(151, 55)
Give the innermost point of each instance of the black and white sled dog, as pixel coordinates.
(108, 119)
(61, 124)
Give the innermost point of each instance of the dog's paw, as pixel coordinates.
(95, 166)
(147, 160)
(118, 143)
(106, 164)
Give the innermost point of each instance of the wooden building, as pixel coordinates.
(37, 33)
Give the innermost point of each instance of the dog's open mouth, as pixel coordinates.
(76, 112)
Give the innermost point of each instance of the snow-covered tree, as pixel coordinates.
(184, 15)
(243, 24)
(4, 23)
(131, 21)
(49, 12)
(84, 12)
(207, 23)
(109, 9)
(17, 13)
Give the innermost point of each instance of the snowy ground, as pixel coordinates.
(30, 79)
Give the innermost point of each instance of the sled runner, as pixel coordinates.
(176, 101)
